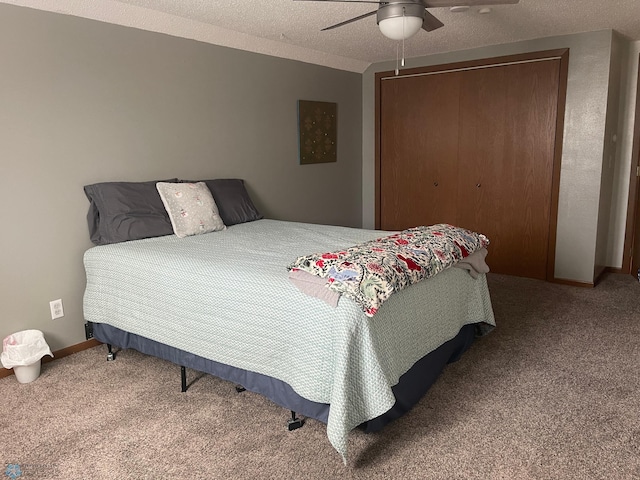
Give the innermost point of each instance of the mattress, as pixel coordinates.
(225, 296)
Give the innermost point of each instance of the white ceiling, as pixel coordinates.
(291, 29)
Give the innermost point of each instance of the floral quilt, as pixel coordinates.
(370, 272)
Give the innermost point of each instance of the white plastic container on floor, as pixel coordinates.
(27, 373)
(23, 351)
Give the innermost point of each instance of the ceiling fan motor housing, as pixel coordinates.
(400, 9)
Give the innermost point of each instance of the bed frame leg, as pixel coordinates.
(240, 388)
(183, 379)
(110, 354)
(295, 422)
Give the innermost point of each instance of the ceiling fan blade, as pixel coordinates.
(470, 3)
(355, 19)
(430, 22)
(341, 1)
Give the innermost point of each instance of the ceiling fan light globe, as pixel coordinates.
(399, 28)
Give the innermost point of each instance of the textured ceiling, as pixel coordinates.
(291, 29)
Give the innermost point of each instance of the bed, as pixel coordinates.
(222, 303)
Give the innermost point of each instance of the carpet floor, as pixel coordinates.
(552, 393)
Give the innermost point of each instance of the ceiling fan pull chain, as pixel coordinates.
(397, 57)
(403, 34)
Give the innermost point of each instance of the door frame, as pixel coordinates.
(631, 251)
(561, 54)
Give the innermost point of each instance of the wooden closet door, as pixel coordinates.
(474, 146)
(506, 150)
(419, 151)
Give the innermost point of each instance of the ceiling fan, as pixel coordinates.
(401, 19)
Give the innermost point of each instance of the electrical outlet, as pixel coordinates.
(56, 309)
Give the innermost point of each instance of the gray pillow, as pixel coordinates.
(233, 201)
(122, 211)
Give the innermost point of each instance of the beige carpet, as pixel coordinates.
(552, 393)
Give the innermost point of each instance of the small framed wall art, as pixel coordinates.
(317, 132)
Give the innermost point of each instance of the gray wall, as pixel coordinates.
(83, 102)
(619, 54)
(583, 145)
(624, 146)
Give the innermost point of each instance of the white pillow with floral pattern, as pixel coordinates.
(191, 208)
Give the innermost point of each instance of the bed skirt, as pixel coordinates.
(409, 390)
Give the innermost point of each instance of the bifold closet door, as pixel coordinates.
(419, 151)
(475, 148)
(506, 147)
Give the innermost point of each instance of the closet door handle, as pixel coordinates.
(478, 185)
(435, 184)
